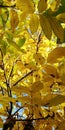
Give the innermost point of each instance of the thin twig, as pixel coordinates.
(43, 118)
(12, 69)
(17, 110)
(39, 39)
(7, 83)
(23, 77)
(6, 6)
(3, 66)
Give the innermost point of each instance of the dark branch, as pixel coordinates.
(23, 77)
(6, 6)
(17, 110)
(43, 118)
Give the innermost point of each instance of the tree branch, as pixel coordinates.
(17, 110)
(6, 6)
(39, 39)
(23, 77)
(43, 118)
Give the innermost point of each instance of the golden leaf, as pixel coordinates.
(24, 99)
(46, 97)
(36, 98)
(36, 86)
(26, 6)
(34, 23)
(56, 100)
(21, 89)
(46, 27)
(31, 66)
(51, 70)
(42, 5)
(23, 16)
(55, 54)
(57, 28)
(14, 19)
(61, 17)
(39, 58)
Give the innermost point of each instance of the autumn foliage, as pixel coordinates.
(32, 64)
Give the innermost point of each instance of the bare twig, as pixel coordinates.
(17, 110)
(7, 83)
(39, 39)
(23, 77)
(3, 66)
(12, 69)
(43, 118)
(6, 6)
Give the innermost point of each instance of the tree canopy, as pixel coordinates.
(32, 64)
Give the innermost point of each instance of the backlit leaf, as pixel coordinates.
(57, 28)
(39, 58)
(51, 70)
(56, 54)
(57, 100)
(21, 42)
(44, 22)
(13, 19)
(26, 5)
(61, 17)
(37, 86)
(13, 43)
(34, 23)
(42, 5)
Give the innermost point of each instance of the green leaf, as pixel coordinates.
(13, 43)
(3, 45)
(21, 42)
(63, 2)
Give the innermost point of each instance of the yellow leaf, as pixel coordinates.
(31, 66)
(21, 89)
(54, 4)
(57, 28)
(39, 58)
(34, 23)
(23, 16)
(61, 68)
(25, 5)
(56, 100)
(36, 86)
(61, 17)
(51, 70)
(46, 27)
(13, 19)
(46, 98)
(42, 5)
(25, 99)
(13, 43)
(55, 54)
(36, 98)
